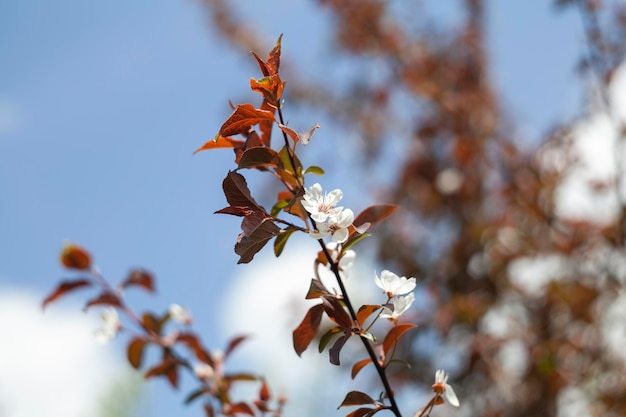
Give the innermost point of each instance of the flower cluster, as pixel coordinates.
(111, 324)
(329, 220)
(395, 287)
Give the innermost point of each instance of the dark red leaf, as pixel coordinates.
(336, 312)
(140, 278)
(105, 298)
(64, 287)
(357, 398)
(135, 351)
(250, 244)
(307, 330)
(237, 192)
(258, 157)
(334, 351)
(193, 343)
(168, 368)
(233, 343)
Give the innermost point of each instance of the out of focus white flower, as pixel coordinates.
(110, 325)
(203, 371)
(180, 314)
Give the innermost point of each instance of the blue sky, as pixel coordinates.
(103, 103)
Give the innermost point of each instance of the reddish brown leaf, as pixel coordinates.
(75, 257)
(258, 157)
(237, 192)
(105, 298)
(374, 214)
(362, 412)
(193, 343)
(233, 344)
(239, 408)
(135, 351)
(221, 143)
(264, 392)
(393, 335)
(334, 351)
(316, 289)
(336, 312)
(271, 87)
(307, 329)
(140, 278)
(63, 288)
(168, 368)
(250, 244)
(243, 118)
(152, 323)
(356, 368)
(357, 398)
(273, 58)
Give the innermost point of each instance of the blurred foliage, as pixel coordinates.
(478, 209)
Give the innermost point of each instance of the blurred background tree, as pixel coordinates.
(521, 294)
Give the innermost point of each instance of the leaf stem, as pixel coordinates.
(334, 267)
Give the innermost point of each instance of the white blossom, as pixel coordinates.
(336, 226)
(441, 388)
(204, 371)
(400, 304)
(394, 285)
(321, 206)
(180, 314)
(110, 325)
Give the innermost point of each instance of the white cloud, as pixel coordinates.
(50, 362)
(587, 190)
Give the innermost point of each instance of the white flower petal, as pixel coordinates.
(451, 396)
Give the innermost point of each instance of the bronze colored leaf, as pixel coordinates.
(140, 278)
(393, 335)
(239, 408)
(233, 344)
(135, 351)
(374, 214)
(258, 157)
(242, 119)
(221, 143)
(365, 311)
(307, 329)
(357, 398)
(105, 298)
(316, 289)
(75, 257)
(356, 368)
(63, 288)
(195, 345)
